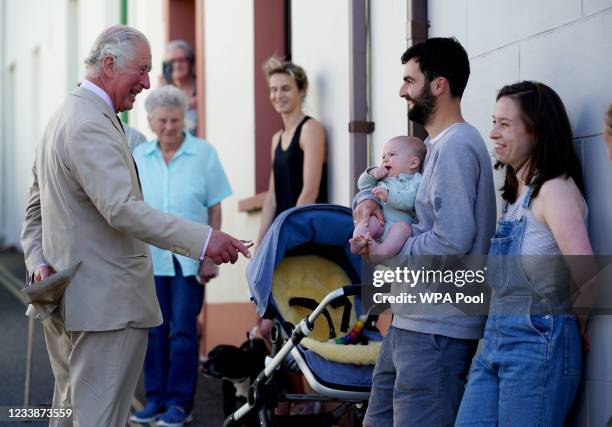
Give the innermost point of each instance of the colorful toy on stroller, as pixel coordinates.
(306, 280)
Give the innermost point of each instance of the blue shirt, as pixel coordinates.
(193, 181)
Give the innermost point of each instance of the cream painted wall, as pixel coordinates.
(94, 16)
(388, 42)
(38, 60)
(230, 126)
(44, 61)
(4, 209)
(148, 17)
(320, 43)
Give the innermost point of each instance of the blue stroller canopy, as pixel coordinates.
(322, 224)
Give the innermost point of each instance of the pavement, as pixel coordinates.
(208, 408)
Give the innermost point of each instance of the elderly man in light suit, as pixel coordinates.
(86, 207)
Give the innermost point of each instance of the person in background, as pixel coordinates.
(182, 175)
(180, 72)
(298, 174)
(529, 369)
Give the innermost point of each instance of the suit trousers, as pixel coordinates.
(95, 372)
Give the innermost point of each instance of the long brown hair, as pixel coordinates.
(546, 120)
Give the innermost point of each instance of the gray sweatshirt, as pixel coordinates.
(456, 213)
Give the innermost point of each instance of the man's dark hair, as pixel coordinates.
(546, 120)
(442, 57)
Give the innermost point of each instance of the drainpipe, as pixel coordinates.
(3, 125)
(416, 32)
(123, 19)
(200, 45)
(359, 126)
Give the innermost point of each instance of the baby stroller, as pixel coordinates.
(305, 243)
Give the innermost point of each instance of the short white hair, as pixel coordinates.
(167, 96)
(118, 41)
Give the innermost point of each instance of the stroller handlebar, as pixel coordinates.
(328, 299)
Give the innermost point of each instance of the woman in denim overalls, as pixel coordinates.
(529, 369)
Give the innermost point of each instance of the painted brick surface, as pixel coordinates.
(597, 172)
(574, 60)
(597, 361)
(590, 7)
(449, 18)
(599, 403)
(488, 73)
(320, 43)
(492, 24)
(388, 42)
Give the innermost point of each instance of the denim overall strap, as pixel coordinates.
(512, 292)
(527, 200)
(505, 205)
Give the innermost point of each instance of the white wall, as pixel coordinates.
(3, 127)
(320, 43)
(38, 60)
(48, 64)
(230, 125)
(388, 42)
(566, 45)
(148, 17)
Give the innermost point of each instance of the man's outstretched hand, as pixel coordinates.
(223, 248)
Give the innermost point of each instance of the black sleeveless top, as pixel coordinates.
(289, 173)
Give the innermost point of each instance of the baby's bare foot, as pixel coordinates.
(358, 244)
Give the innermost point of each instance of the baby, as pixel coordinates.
(394, 183)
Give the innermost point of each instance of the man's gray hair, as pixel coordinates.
(118, 41)
(167, 96)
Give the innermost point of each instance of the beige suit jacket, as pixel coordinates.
(86, 205)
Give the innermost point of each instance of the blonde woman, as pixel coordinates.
(298, 174)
